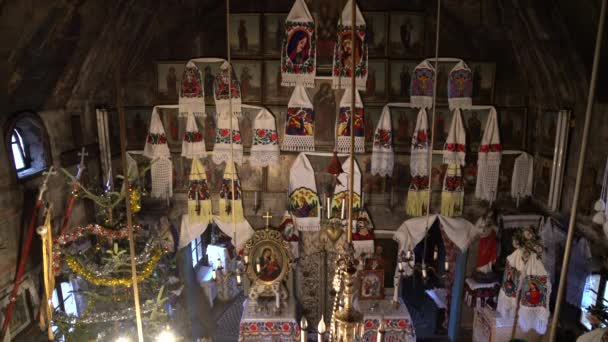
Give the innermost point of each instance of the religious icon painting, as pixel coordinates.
(484, 74)
(209, 71)
(270, 257)
(174, 127)
(274, 92)
(249, 73)
(326, 14)
(406, 34)
(273, 31)
(546, 133)
(371, 284)
(168, 79)
(245, 37)
(138, 121)
(510, 281)
(400, 79)
(325, 101)
(376, 83)
(403, 122)
(207, 125)
(303, 202)
(474, 123)
(376, 33)
(512, 126)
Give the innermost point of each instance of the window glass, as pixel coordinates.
(18, 148)
(592, 284)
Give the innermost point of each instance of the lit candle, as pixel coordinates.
(303, 332)
(238, 278)
(343, 208)
(408, 254)
(435, 253)
(380, 336)
(321, 329)
(214, 275)
(258, 268)
(246, 258)
(423, 271)
(400, 264)
(219, 263)
(328, 208)
(447, 266)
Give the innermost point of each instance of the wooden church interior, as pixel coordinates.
(192, 170)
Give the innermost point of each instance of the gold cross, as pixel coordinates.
(267, 217)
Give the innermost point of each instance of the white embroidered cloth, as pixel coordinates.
(191, 92)
(224, 146)
(265, 144)
(488, 160)
(303, 198)
(383, 156)
(343, 124)
(300, 123)
(523, 176)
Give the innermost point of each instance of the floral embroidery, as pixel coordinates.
(157, 138)
(296, 59)
(193, 137)
(383, 138)
(283, 330)
(490, 148)
(453, 183)
(419, 183)
(419, 141)
(342, 59)
(221, 86)
(226, 190)
(222, 136)
(191, 83)
(460, 83)
(455, 147)
(344, 122)
(300, 121)
(303, 202)
(200, 186)
(265, 137)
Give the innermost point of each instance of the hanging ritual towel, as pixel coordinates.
(223, 150)
(417, 196)
(523, 175)
(341, 189)
(452, 196)
(299, 52)
(488, 160)
(343, 124)
(344, 54)
(460, 87)
(454, 151)
(383, 157)
(157, 149)
(303, 198)
(421, 88)
(265, 144)
(226, 203)
(224, 99)
(300, 123)
(199, 200)
(534, 298)
(242, 230)
(156, 142)
(191, 92)
(193, 144)
(511, 280)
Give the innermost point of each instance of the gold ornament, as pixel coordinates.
(135, 200)
(146, 271)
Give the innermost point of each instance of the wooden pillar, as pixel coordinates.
(457, 293)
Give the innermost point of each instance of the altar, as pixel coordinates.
(259, 324)
(398, 323)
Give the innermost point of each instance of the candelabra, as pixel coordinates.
(406, 258)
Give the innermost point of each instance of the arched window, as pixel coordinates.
(27, 142)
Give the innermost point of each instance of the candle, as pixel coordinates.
(255, 199)
(342, 214)
(278, 300)
(258, 268)
(303, 332)
(423, 271)
(400, 266)
(328, 208)
(321, 329)
(219, 263)
(213, 275)
(246, 259)
(408, 254)
(319, 211)
(447, 266)
(435, 253)
(238, 278)
(396, 293)
(380, 336)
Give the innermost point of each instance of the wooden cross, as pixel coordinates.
(81, 166)
(47, 175)
(267, 217)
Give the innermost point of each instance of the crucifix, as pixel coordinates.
(267, 216)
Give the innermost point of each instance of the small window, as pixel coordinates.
(592, 286)
(63, 298)
(19, 158)
(196, 247)
(27, 142)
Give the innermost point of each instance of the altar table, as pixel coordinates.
(397, 322)
(478, 295)
(268, 327)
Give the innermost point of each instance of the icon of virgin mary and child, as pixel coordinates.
(298, 48)
(270, 267)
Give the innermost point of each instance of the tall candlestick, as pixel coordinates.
(328, 208)
(380, 336)
(435, 253)
(278, 300)
(396, 293)
(321, 329)
(219, 263)
(303, 330)
(408, 254)
(246, 259)
(342, 215)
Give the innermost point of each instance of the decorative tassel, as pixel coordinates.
(416, 204)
